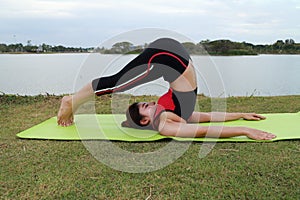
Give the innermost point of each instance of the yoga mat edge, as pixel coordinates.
(107, 127)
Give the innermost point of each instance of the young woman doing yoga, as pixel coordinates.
(173, 114)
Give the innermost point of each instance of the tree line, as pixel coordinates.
(216, 47)
(43, 48)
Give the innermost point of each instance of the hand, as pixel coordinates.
(253, 116)
(258, 134)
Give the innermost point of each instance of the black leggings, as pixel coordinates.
(164, 57)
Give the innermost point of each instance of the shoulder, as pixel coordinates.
(169, 123)
(168, 117)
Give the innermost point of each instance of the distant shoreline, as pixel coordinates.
(52, 53)
(213, 48)
(44, 53)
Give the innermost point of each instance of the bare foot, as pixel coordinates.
(259, 135)
(65, 114)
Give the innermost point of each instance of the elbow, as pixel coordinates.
(167, 129)
(164, 132)
(201, 131)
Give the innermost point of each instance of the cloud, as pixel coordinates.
(14, 9)
(69, 8)
(88, 21)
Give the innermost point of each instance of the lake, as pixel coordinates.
(218, 76)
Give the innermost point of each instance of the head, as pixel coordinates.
(139, 115)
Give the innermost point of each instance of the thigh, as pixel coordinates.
(187, 81)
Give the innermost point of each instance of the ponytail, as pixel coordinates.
(125, 124)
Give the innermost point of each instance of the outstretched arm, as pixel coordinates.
(222, 116)
(172, 128)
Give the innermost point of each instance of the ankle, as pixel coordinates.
(67, 100)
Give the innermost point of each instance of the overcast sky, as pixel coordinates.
(90, 22)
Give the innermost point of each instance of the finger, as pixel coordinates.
(270, 136)
(254, 118)
(259, 116)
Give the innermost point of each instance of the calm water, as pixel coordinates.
(264, 75)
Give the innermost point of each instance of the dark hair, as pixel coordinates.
(133, 118)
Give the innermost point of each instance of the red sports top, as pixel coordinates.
(180, 103)
(164, 103)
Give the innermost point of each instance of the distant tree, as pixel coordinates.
(190, 47)
(99, 49)
(122, 47)
(248, 46)
(289, 41)
(30, 48)
(278, 46)
(15, 47)
(46, 48)
(218, 46)
(279, 43)
(145, 45)
(3, 48)
(205, 41)
(29, 43)
(59, 48)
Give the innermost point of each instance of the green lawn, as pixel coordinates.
(41, 169)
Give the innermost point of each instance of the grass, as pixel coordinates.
(42, 169)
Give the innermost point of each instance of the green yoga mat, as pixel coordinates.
(107, 127)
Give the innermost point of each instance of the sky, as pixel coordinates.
(87, 23)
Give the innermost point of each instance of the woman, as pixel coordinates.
(174, 112)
